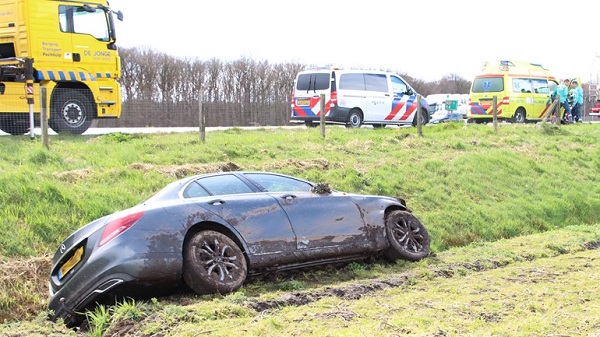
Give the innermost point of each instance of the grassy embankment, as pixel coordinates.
(467, 184)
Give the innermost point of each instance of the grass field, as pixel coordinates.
(487, 197)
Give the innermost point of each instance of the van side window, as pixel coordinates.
(398, 86)
(352, 82)
(521, 85)
(540, 86)
(314, 81)
(376, 82)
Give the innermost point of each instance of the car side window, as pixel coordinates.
(352, 82)
(275, 183)
(195, 191)
(376, 82)
(522, 85)
(398, 86)
(224, 184)
(540, 86)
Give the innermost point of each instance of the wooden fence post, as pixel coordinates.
(201, 117)
(44, 116)
(550, 112)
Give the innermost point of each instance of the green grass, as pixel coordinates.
(458, 180)
(470, 185)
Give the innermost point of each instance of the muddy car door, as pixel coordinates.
(326, 221)
(255, 215)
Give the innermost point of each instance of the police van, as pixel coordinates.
(522, 91)
(354, 98)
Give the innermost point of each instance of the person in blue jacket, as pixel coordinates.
(563, 91)
(577, 93)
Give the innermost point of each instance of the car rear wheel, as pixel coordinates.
(408, 237)
(213, 263)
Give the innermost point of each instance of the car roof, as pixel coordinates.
(171, 191)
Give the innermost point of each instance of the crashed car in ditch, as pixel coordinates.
(210, 232)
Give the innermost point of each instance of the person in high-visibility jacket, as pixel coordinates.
(563, 91)
(577, 93)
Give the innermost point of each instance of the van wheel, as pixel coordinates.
(519, 116)
(354, 119)
(419, 114)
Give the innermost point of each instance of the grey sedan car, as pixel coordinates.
(210, 232)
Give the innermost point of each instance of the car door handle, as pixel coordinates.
(288, 197)
(217, 202)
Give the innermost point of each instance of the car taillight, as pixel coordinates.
(333, 98)
(116, 227)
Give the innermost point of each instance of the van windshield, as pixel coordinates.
(488, 84)
(313, 81)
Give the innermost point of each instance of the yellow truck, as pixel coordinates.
(69, 48)
(522, 91)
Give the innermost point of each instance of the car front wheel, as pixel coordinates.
(407, 236)
(213, 263)
(354, 119)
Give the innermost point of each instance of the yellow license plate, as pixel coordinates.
(303, 102)
(72, 262)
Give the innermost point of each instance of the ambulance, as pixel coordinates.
(354, 98)
(522, 91)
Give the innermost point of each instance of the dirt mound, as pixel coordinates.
(181, 171)
(73, 175)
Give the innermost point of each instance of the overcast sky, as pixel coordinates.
(426, 39)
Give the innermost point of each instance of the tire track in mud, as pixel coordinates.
(358, 290)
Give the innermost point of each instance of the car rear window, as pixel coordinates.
(313, 81)
(488, 84)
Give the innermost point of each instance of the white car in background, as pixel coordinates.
(438, 111)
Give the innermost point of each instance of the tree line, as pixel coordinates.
(163, 90)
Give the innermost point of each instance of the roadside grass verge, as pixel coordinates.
(538, 284)
(468, 184)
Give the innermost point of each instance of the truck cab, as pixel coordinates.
(71, 48)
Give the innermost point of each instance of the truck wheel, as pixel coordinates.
(354, 119)
(71, 111)
(14, 125)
